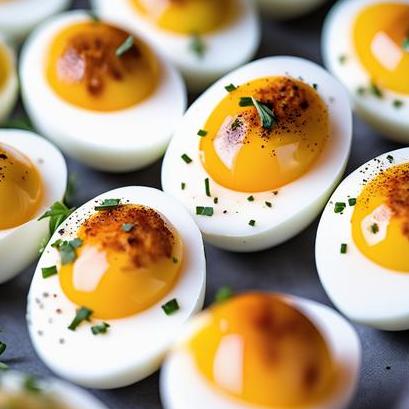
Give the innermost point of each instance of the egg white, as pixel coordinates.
(183, 387)
(19, 17)
(63, 393)
(8, 92)
(117, 141)
(226, 48)
(134, 347)
(363, 290)
(284, 9)
(297, 204)
(337, 41)
(19, 245)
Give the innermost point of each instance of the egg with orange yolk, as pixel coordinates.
(261, 350)
(8, 79)
(362, 243)
(286, 9)
(98, 79)
(199, 36)
(365, 46)
(254, 144)
(33, 175)
(133, 261)
(19, 17)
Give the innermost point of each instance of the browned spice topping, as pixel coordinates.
(149, 241)
(90, 57)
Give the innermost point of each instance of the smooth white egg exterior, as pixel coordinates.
(9, 90)
(337, 41)
(19, 17)
(183, 387)
(361, 289)
(297, 204)
(226, 49)
(134, 347)
(64, 393)
(19, 245)
(118, 141)
(284, 9)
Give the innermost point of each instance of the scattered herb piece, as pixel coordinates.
(127, 227)
(3, 347)
(230, 88)
(405, 44)
(183, 185)
(342, 59)
(216, 200)
(390, 158)
(397, 103)
(207, 187)
(204, 211)
(344, 248)
(202, 133)
(186, 158)
(252, 223)
(83, 314)
(71, 188)
(315, 86)
(125, 46)
(223, 294)
(375, 90)
(269, 204)
(101, 328)
(171, 307)
(49, 271)
(108, 204)
(246, 102)
(352, 201)
(374, 228)
(31, 384)
(3, 366)
(197, 45)
(267, 116)
(250, 198)
(236, 124)
(67, 249)
(339, 207)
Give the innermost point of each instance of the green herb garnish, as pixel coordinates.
(397, 103)
(197, 45)
(3, 347)
(230, 88)
(49, 271)
(339, 207)
(83, 314)
(171, 307)
(342, 59)
(204, 211)
(67, 249)
(125, 46)
(216, 200)
(186, 158)
(375, 90)
(108, 204)
(202, 132)
(267, 116)
(246, 102)
(71, 188)
(344, 248)
(183, 185)
(269, 204)
(405, 44)
(250, 198)
(3, 366)
(390, 158)
(101, 328)
(223, 294)
(31, 384)
(207, 187)
(374, 228)
(252, 223)
(127, 227)
(352, 201)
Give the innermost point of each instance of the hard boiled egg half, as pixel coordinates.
(262, 350)
(362, 247)
(104, 96)
(33, 175)
(19, 17)
(8, 79)
(257, 155)
(115, 286)
(205, 39)
(366, 45)
(283, 9)
(21, 391)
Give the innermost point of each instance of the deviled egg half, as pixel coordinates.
(115, 286)
(256, 157)
(262, 350)
(205, 39)
(8, 79)
(104, 96)
(366, 45)
(33, 175)
(21, 391)
(284, 9)
(19, 17)
(362, 247)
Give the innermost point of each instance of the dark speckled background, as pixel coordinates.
(289, 267)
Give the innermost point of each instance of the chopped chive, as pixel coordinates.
(230, 88)
(171, 307)
(390, 158)
(83, 314)
(76, 243)
(3, 366)
(183, 185)
(3, 347)
(246, 102)
(375, 90)
(267, 116)
(315, 86)
(108, 204)
(397, 103)
(344, 248)
(204, 211)
(236, 124)
(405, 44)
(175, 260)
(252, 223)
(207, 187)
(49, 271)
(339, 207)
(127, 227)
(31, 384)
(67, 249)
(197, 45)
(202, 133)
(223, 294)
(186, 158)
(342, 59)
(374, 228)
(125, 46)
(216, 200)
(269, 204)
(71, 188)
(352, 201)
(250, 198)
(101, 328)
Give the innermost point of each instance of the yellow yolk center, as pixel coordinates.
(129, 260)
(21, 188)
(380, 35)
(242, 155)
(4, 66)
(262, 350)
(187, 16)
(380, 222)
(84, 67)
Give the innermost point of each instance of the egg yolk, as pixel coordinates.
(187, 16)
(100, 67)
(260, 349)
(380, 222)
(379, 34)
(241, 154)
(21, 188)
(130, 258)
(4, 67)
